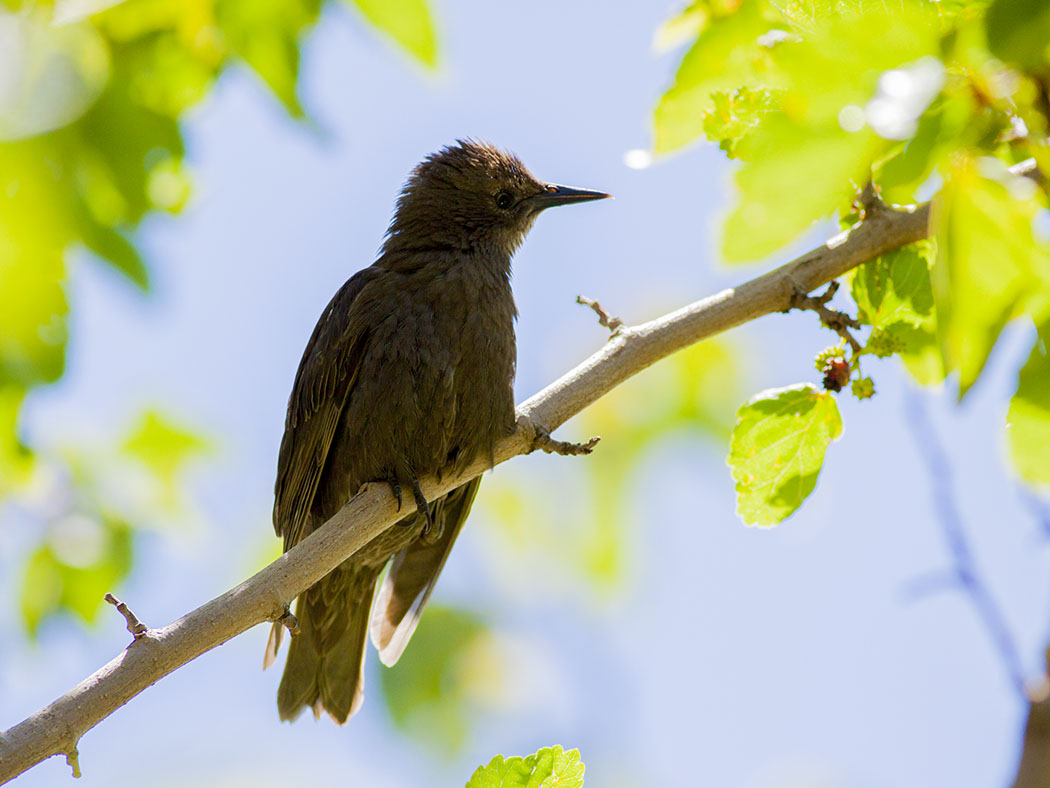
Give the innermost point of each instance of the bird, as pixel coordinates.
(409, 372)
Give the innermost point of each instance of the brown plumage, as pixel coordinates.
(409, 371)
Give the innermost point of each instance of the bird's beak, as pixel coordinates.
(553, 194)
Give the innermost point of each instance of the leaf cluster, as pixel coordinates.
(820, 98)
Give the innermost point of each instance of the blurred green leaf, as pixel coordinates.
(426, 691)
(551, 767)
(725, 57)
(771, 208)
(82, 558)
(1028, 419)
(16, 460)
(267, 36)
(778, 448)
(52, 73)
(988, 260)
(163, 446)
(32, 280)
(734, 115)
(806, 161)
(408, 22)
(901, 175)
(1019, 31)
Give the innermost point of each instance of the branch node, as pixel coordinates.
(73, 761)
(869, 200)
(135, 627)
(288, 620)
(614, 324)
(837, 321)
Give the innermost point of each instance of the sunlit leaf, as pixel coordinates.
(408, 22)
(425, 691)
(725, 57)
(551, 767)
(1028, 419)
(778, 448)
(734, 115)
(771, 208)
(895, 288)
(988, 260)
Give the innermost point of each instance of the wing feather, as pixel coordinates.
(323, 382)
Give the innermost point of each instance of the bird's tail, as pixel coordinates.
(325, 667)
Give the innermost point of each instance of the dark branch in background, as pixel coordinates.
(963, 574)
(1034, 769)
(57, 728)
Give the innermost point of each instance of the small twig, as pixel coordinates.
(73, 761)
(614, 324)
(135, 627)
(839, 322)
(289, 621)
(964, 565)
(540, 438)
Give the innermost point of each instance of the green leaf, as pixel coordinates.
(551, 767)
(895, 288)
(734, 115)
(777, 450)
(82, 558)
(988, 260)
(1028, 419)
(407, 22)
(16, 459)
(725, 57)
(772, 208)
(267, 36)
(111, 246)
(900, 176)
(895, 296)
(163, 446)
(33, 310)
(1019, 31)
(426, 692)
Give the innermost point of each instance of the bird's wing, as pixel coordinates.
(413, 574)
(325, 377)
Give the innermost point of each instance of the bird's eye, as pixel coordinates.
(504, 199)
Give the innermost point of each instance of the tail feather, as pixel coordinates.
(325, 667)
(413, 575)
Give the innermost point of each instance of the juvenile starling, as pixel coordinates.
(409, 372)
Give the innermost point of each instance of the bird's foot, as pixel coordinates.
(395, 489)
(422, 506)
(542, 440)
(289, 621)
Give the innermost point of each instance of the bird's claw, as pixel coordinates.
(422, 506)
(395, 489)
(545, 442)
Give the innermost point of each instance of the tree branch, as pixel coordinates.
(155, 653)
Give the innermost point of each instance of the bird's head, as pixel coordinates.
(472, 195)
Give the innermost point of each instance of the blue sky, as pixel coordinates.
(728, 656)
